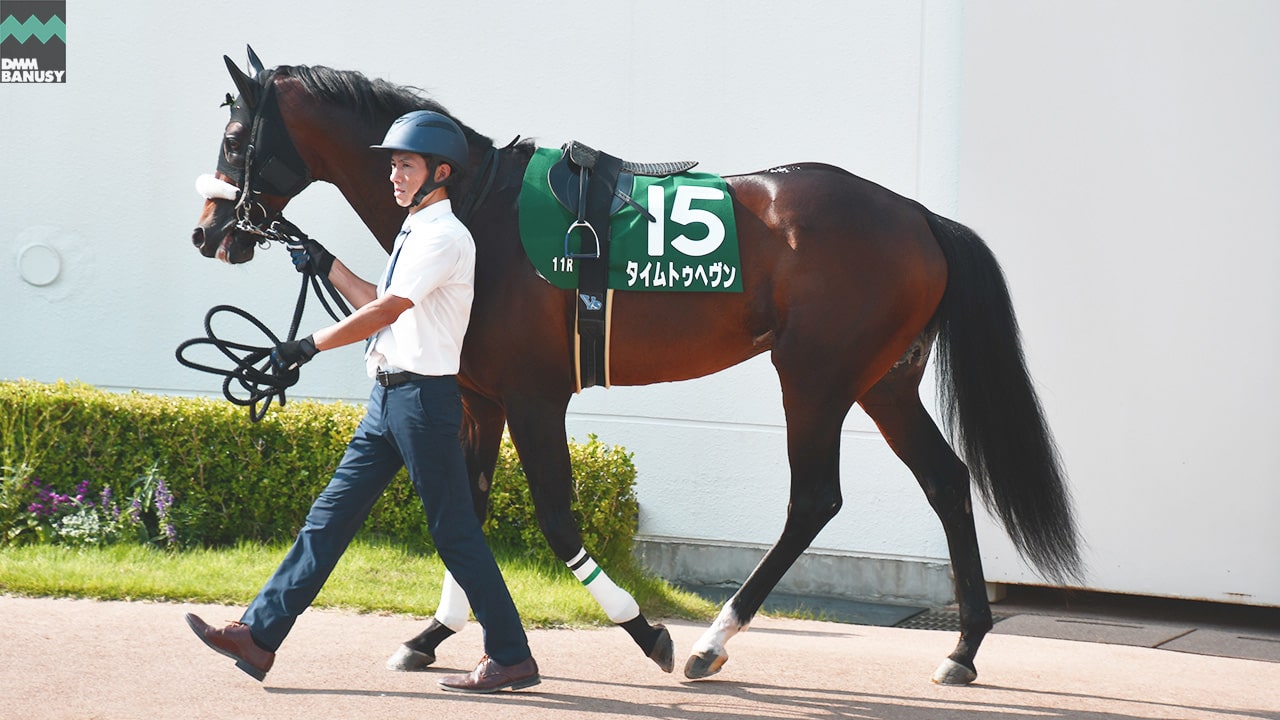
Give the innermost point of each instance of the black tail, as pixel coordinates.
(991, 410)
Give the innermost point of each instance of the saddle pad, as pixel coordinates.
(693, 246)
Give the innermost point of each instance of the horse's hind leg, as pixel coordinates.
(483, 421)
(894, 405)
(537, 429)
(814, 416)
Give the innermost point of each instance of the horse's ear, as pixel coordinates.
(255, 64)
(247, 88)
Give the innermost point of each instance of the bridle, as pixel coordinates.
(272, 164)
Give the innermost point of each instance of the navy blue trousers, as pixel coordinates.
(413, 425)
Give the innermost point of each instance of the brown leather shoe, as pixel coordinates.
(235, 642)
(489, 677)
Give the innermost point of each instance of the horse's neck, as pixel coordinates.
(361, 177)
(342, 159)
(334, 143)
(371, 198)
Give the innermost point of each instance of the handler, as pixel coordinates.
(416, 317)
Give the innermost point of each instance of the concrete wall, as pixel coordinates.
(992, 113)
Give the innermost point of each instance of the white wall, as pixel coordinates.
(938, 100)
(1122, 161)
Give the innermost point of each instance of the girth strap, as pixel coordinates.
(594, 188)
(593, 276)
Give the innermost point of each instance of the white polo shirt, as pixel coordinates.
(435, 264)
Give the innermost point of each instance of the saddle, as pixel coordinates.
(593, 186)
(570, 178)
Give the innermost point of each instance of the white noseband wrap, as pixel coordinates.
(211, 188)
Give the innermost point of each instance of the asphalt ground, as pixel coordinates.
(63, 658)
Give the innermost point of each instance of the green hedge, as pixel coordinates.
(233, 480)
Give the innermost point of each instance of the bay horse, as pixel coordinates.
(848, 285)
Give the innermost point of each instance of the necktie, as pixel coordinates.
(368, 344)
(392, 268)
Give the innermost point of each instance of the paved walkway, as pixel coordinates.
(79, 659)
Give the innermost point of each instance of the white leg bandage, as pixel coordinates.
(616, 602)
(454, 608)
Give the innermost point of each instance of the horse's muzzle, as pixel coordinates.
(230, 250)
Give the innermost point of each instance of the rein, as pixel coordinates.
(252, 371)
(488, 171)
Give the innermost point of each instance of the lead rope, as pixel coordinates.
(252, 371)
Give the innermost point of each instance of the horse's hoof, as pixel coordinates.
(407, 659)
(951, 672)
(704, 664)
(663, 651)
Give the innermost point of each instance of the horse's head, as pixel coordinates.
(258, 171)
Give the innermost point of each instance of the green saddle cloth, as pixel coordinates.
(693, 246)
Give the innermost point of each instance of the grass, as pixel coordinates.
(372, 577)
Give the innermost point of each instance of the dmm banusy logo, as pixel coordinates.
(33, 41)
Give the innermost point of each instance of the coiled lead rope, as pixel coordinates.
(253, 381)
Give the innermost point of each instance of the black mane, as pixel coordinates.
(375, 99)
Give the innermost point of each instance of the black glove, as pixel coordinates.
(309, 256)
(289, 355)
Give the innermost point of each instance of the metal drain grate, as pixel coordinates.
(948, 620)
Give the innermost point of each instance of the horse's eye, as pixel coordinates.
(233, 153)
(233, 144)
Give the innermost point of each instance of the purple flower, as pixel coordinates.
(164, 500)
(108, 503)
(81, 496)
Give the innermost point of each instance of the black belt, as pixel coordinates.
(392, 379)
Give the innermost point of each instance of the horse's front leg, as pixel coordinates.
(482, 424)
(537, 429)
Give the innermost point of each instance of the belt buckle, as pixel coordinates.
(384, 378)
